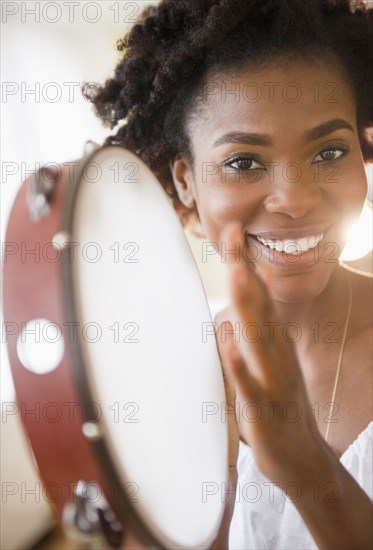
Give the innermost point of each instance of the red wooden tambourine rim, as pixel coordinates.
(37, 288)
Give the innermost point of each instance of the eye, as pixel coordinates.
(243, 163)
(330, 154)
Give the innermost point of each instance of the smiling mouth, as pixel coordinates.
(292, 246)
(292, 241)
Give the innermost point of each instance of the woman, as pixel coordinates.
(254, 116)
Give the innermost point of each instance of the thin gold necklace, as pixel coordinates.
(340, 358)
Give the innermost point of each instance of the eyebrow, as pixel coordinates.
(328, 127)
(265, 140)
(246, 139)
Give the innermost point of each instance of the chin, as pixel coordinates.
(300, 286)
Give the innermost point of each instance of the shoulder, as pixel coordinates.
(362, 302)
(359, 279)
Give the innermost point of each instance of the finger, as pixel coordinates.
(239, 370)
(266, 275)
(242, 269)
(255, 321)
(263, 344)
(273, 346)
(224, 338)
(232, 365)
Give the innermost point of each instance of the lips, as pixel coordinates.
(292, 233)
(291, 247)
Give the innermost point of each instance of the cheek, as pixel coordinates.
(217, 205)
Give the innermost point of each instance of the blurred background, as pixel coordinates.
(48, 50)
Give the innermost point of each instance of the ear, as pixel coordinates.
(182, 175)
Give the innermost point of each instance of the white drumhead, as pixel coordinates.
(142, 312)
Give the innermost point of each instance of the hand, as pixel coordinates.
(281, 432)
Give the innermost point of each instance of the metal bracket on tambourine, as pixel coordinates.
(39, 192)
(89, 520)
(42, 183)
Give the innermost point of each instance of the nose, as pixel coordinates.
(294, 198)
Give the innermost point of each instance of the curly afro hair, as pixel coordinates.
(172, 45)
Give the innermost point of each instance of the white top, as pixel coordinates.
(265, 518)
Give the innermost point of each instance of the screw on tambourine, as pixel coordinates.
(92, 431)
(89, 521)
(39, 192)
(61, 239)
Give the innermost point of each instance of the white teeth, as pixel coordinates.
(295, 246)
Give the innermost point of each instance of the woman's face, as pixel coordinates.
(277, 149)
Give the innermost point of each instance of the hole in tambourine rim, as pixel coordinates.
(40, 346)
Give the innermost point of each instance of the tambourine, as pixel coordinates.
(116, 369)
